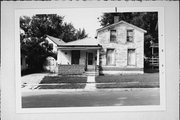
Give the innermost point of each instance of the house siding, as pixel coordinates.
(121, 46)
(64, 57)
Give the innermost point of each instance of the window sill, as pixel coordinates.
(130, 42)
(110, 65)
(131, 66)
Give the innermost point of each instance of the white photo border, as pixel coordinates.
(161, 107)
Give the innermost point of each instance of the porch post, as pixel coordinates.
(97, 57)
(97, 64)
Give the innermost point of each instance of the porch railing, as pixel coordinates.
(71, 69)
(154, 62)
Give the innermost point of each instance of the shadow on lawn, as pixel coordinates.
(62, 82)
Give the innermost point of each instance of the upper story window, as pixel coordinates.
(130, 35)
(112, 35)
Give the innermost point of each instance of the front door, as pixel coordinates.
(75, 55)
(90, 59)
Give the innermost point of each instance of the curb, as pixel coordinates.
(86, 90)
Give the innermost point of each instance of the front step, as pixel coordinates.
(91, 73)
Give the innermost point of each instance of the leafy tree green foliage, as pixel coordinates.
(33, 31)
(145, 20)
(81, 34)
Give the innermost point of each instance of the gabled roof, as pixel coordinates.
(121, 22)
(57, 41)
(83, 42)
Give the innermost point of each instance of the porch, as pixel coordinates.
(79, 58)
(77, 70)
(154, 60)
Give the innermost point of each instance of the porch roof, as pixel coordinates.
(85, 43)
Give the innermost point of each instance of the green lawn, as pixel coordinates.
(63, 86)
(64, 82)
(146, 80)
(63, 79)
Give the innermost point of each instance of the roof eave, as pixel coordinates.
(106, 27)
(54, 41)
(79, 45)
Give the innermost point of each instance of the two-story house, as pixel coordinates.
(122, 48)
(117, 49)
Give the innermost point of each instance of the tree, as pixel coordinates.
(145, 20)
(33, 33)
(80, 34)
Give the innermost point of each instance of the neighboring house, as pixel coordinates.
(118, 49)
(154, 60)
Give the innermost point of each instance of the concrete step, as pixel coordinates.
(89, 73)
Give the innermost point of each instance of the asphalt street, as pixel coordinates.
(115, 97)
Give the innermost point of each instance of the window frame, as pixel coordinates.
(75, 55)
(127, 36)
(135, 64)
(113, 38)
(114, 63)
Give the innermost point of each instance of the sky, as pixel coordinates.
(86, 18)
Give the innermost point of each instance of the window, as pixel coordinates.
(131, 57)
(130, 35)
(75, 55)
(112, 35)
(110, 57)
(51, 46)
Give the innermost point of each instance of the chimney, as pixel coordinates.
(116, 19)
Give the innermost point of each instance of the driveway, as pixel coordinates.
(33, 78)
(105, 97)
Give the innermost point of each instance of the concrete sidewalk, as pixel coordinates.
(88, 89)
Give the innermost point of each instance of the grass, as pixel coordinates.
(127, 85)
(63, 79)
(63, 82)
(146, 80)
(64, 86)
